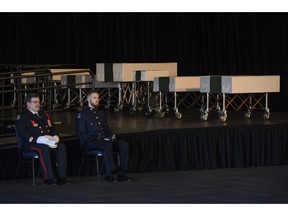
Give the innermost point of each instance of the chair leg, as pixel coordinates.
(39, 172)
(97, 167)
(17, 169)
(33, 171)
(81, 165)
(118, 160)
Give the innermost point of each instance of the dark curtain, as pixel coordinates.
(208, 148)
(181, 149)
(201, 43)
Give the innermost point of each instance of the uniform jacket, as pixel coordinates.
(91, 123)
(29, 126)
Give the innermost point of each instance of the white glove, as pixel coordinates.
(56, 138)
(114, 137)
(52, 144)
(42, 140)
(47, 141)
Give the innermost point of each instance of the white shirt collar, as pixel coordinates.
(33, 112)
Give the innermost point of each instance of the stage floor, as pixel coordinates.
(124, 123)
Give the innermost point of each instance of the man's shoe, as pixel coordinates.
(110, 179)
(49, 182)
(123, 178)
(62, 181)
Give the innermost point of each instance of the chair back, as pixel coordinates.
(19, 141)
(28, 154)
(77, 131)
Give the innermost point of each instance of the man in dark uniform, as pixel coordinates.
(35, 129)
(95, 134)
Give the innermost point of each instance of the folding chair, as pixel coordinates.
(27, 157)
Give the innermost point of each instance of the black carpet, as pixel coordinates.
(250, 185)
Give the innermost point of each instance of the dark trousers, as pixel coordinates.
(45, 152)
(109, 148)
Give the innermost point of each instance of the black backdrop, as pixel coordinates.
(201, 43)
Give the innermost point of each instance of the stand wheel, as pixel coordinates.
(266, 115)
(132, 111)
(148, 114)
(55, 106)
(178, 115)
(166, 111)
(149, 111)
(204, 116)
(247, 114)
(12, 104)
(139, 109)
(116, 109)
(67, 106)
(223, 117)
(162, 115)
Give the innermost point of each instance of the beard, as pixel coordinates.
(95, 105)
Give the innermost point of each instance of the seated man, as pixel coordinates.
(37, 133)
(95, 134)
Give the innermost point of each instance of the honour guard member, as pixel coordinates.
(35, 129)
(95, 134)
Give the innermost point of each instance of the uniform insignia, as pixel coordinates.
(18, 117)
(30, 139)
(34, 123)
(78, 115)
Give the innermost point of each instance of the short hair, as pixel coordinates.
(30, 96)
(93, 91)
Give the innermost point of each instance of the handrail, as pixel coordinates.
(40, 75)
(36, 66)
(44, 87)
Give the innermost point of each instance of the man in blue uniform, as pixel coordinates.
(95, 134)
(35, 129)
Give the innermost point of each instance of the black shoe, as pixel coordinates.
(123, 178)
(49, 182)
(110, 178)
(62, 181)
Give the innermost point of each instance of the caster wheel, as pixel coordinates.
(139, 109)
(266, 115)
(204, 116)
(148, 114)
(178, 115)
(162, 115)
(116, 109)
(223, 117)
(132, 111)
(55, 106)
(247, 114)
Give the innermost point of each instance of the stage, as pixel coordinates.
(170, 161)
(170, 144)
